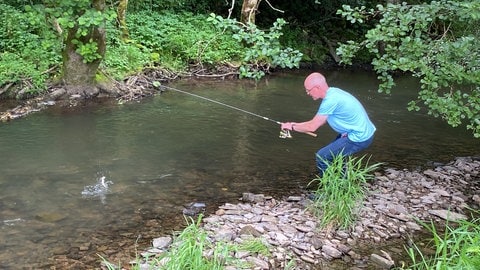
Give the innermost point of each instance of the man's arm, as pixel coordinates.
(308, 126)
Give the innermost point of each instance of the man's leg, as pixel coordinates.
(342, 145)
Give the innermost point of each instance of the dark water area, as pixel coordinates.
(160, 153)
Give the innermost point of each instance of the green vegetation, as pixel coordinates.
(436, 42)
(262, 49)
(176, 42)
(457, 248)
(28, 51)
(340, 190)
(78, 18)
(192, 249)
(187, 251)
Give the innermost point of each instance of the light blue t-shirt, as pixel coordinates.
(346, 115)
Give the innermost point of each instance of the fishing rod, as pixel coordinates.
(283, 134)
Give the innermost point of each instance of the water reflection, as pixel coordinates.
(174, 149)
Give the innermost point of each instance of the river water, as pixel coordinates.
(76, 182)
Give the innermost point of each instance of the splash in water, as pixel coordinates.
(12, 222)
(99, 190)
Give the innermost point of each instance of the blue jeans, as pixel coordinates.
(341, 144)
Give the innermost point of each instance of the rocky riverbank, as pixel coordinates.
(386, 222)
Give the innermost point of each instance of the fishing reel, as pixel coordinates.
(285, 134)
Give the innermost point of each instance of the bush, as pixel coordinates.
(29, 49)
(181, 39)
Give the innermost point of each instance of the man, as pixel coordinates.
(343, 112)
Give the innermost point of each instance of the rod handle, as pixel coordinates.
(311, 134)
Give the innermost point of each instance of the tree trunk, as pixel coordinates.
(249, 10)
(79, 75)
(122, 24)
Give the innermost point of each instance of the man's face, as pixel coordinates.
(313, 92)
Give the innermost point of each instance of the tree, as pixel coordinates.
(121, 18)
(84, 42)
(249, 10)
(436, 42)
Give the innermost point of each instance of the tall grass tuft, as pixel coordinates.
(340, 190)
(190, 251)
(456, 248)
(193, 250)
(253, 245)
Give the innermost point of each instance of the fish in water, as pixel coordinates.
(99, 190)
(104, 184)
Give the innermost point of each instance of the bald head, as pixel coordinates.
(317, 82)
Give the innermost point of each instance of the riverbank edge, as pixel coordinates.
(397, 199)
(130, 89)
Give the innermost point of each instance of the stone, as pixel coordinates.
(258, 262)
(50, 217)
(162, 242)
(250, 197)
(249, 230)
(294, 199)
(224, 235)
(448, 215)
(476, 198)
(383, 262)
(331, 251)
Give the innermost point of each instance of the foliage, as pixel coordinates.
(28, 49)
(262, 49)
(178, 40)
(187, 250)
(300, 39)
(123, 58)
(436, 42)
(457, 248)
(178, 6)
(80, 18)
(254, 245)
(340, 190)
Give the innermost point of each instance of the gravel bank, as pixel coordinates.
(386, 221)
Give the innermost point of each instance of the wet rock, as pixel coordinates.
(250, 197)
(50, 217)
(56, 94)
(250, 230)
(476, 198)
(162, 242)
(258, 263)
(382, 262)
(448, 215)
(331, 251)
(294, 198)
(224, 235)
(193, 209)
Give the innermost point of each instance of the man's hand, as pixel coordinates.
(288, 125)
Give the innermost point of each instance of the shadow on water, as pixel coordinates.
(158, 154)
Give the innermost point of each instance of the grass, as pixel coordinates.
(458, 247)
(193, 250)
(341, 190)
(189, 250)
(254, 245)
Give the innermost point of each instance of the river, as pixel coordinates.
(163, 152)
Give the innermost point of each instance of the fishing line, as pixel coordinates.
(285, 134)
